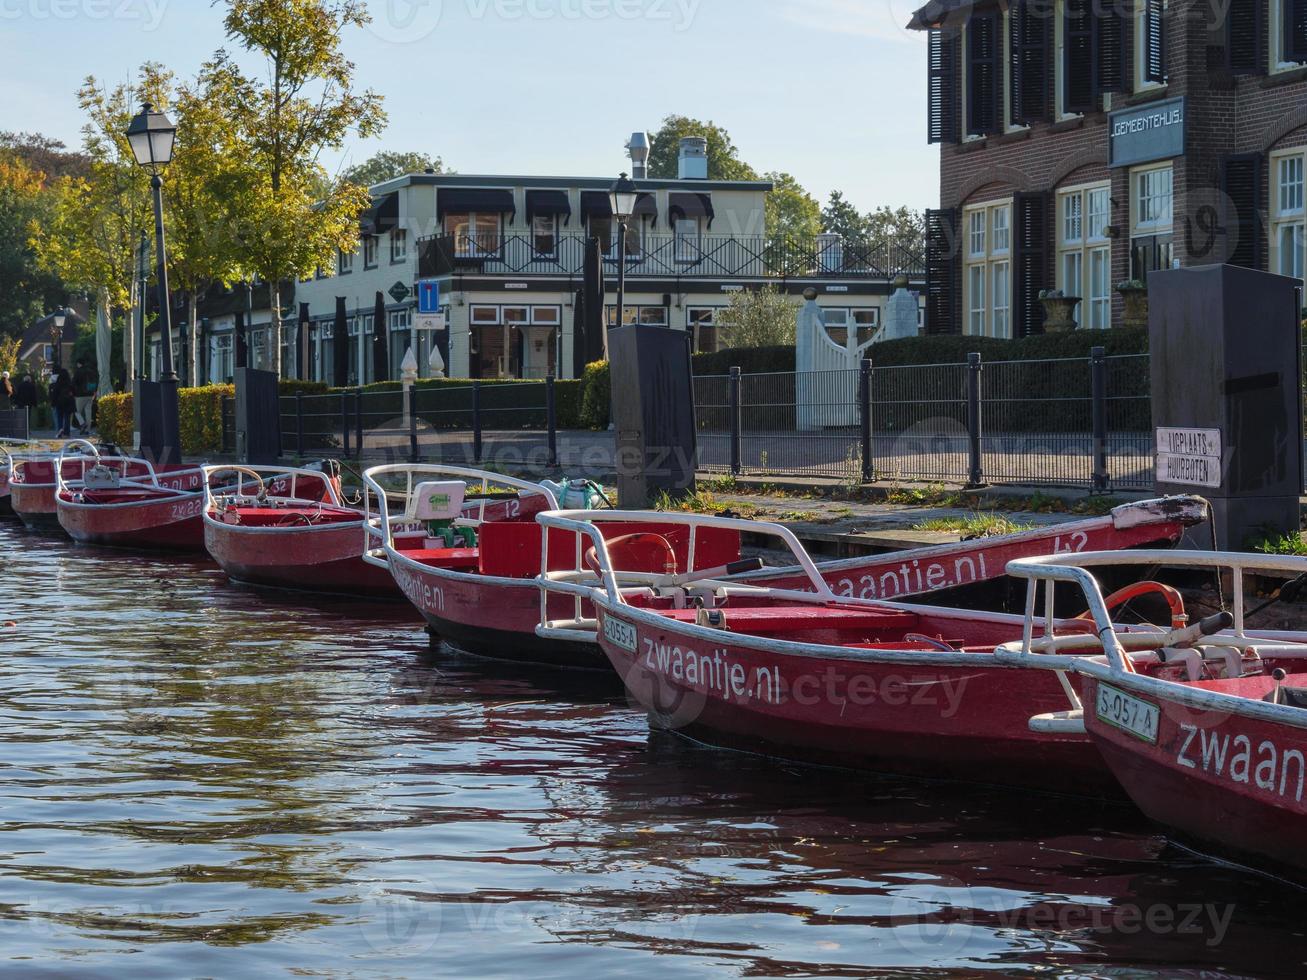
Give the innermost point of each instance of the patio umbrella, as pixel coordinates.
(340, 346)
(242, 348)
(578, 335)
(380, 357)
(103, 346)
(302, 344)
(595, 298)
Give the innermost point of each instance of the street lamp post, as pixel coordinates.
(57, 321)
(623, 198)
(152, 136)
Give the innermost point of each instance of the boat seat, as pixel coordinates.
(782, 620)
(292, 516)
(450, 559)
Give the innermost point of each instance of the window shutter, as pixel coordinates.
(1154, 61)
(943, 272)
(1079, 69)
(1295, 30)
(1241, 180)
(982, 74)
(942, 85)
(1032, 217)
(1244, 31)
(1110, 28)
(1030, 42)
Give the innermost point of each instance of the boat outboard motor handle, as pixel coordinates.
(1210, 626)
(721, 571)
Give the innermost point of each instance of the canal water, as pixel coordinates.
(202, 780)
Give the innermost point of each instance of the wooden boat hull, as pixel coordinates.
(929, 713)
(1229, 784)
(326, 558)
(169, 523)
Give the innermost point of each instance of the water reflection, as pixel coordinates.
(201, 779)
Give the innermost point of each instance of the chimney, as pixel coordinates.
(694, 158)
(638, 148)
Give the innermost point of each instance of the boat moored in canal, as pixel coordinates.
(807, 674)
(289, 528)
(1213, 745)
(128, 503)
(475, 580)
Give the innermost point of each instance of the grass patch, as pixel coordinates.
(1285, 544)
(974, 525)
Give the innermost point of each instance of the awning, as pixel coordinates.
(548, 204)
(461, 201)
(690, 206)
(937, 12)
(382, 217)
(599, 204)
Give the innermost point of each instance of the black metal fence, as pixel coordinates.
(1081, 422)
(1075, 422)
(14, 423)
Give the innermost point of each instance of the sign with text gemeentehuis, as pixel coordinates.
(1145, 133)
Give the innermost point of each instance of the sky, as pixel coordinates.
(832, 91)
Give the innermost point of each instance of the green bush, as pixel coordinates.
(446, 403)
(597, 403)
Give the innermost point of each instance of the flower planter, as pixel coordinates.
(1059, 313)
(1136, 305)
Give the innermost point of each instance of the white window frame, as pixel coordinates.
(1081, 243)
(344, 264)
(1276, 61)
(398, 246)
(1289, 212)
(471, 246)
(1150, 227)
(987, 262)
(370, 252)
(1059, 64)
(688, 239)
(1140, 52)
(544, 226)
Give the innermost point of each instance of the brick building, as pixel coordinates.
(1087, 142)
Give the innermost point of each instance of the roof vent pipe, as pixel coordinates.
(638, 148)
(694, 158)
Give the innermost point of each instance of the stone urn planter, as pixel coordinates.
(1135, 295)
(1059, 311)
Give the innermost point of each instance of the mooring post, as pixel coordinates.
(1098, 390)
(476, 421)
(736, 410)
(864, 413)
(975, 468)
(551, 413)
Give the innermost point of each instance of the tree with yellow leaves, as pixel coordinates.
(305, 103)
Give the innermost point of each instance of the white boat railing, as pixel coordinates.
(281, 481)
(1227, 630)
(379, 529)
(88, 454)
(582, 584)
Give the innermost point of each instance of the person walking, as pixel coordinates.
(26, 394)
(86, 382)
(63, 401)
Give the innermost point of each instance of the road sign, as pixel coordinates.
(1191, 457)
(428, 296)
(399, 292)
(430, 321)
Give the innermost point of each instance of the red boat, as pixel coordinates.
(116, 505)
(1213, 746)
(811, 675)
(6, 463)
(290, 529)
(951, 570)
(474, 580)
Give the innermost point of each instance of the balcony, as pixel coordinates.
(671, 257)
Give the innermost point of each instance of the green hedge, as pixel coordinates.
(446, 403)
